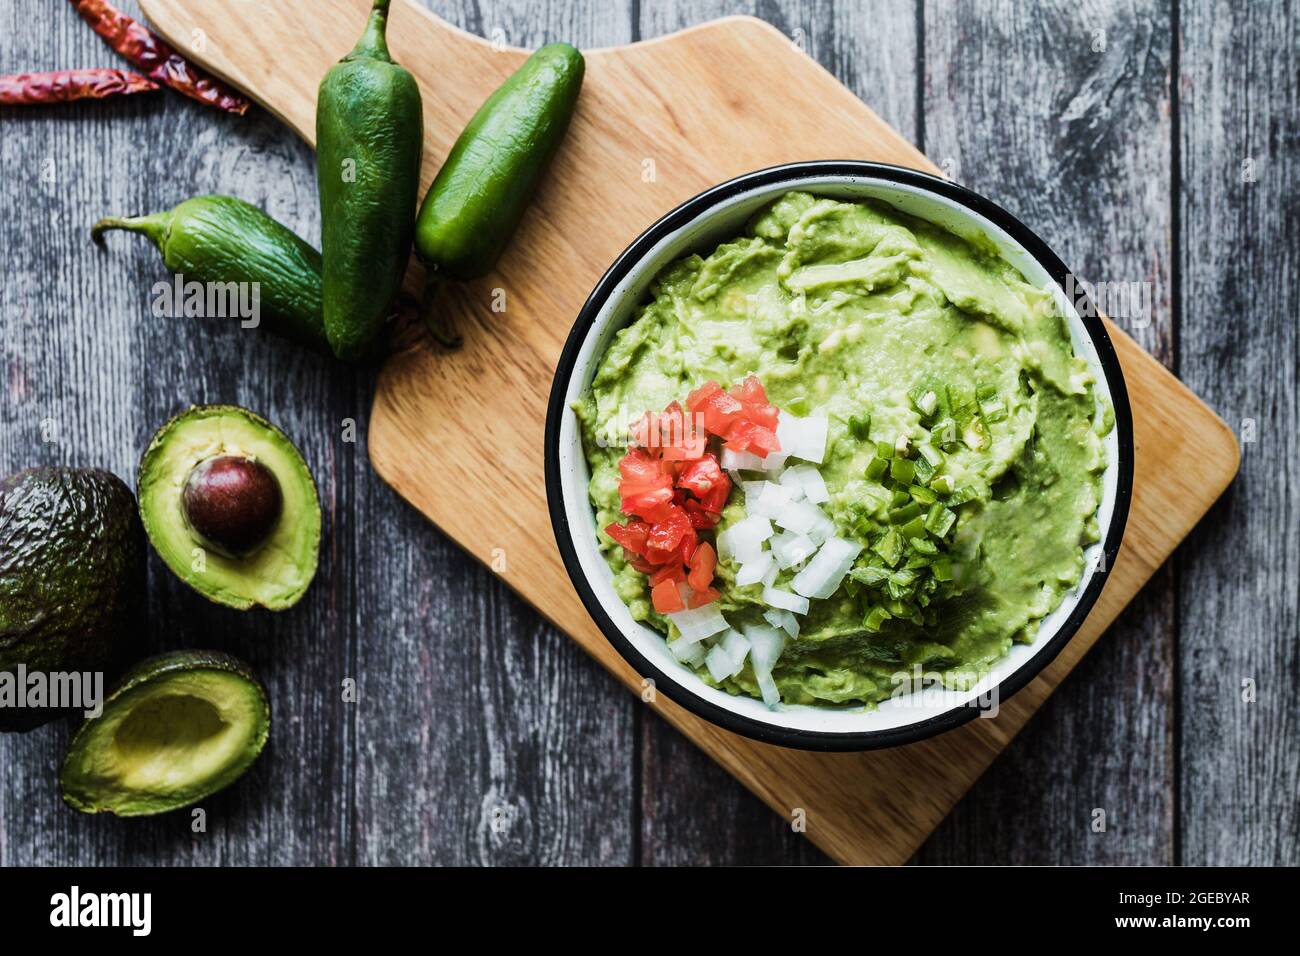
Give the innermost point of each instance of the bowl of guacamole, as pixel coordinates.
(834, 460)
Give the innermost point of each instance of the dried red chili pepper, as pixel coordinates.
(64, 86)
(152, 54)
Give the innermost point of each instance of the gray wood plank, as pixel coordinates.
(693, 812)
(81, 348)
(484, 735)
(1060, 112)
(1239, 152)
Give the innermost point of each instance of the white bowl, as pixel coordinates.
(697, 226)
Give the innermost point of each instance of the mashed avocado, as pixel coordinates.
(903, 336)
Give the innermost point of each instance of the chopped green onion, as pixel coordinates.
(889, 547)
(943, 484)
(939, 521)
(884, 450)
(922, 495)
(906, 513)
(923, 545)
(797, 405)
(860, 427)
(942, 569)
(924, 470)
(899, 499)
(876, 467)
(914, 528)
(932, 455)
(902, 471)
(875, 618)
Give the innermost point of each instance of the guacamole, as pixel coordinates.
(963, 452)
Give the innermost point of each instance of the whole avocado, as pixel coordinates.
(72, 565)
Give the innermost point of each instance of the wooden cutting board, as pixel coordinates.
(460, 435)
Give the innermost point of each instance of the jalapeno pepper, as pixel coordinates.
(369, 131)
(492, 171)
(220, 239)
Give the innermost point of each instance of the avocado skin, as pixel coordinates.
(159, 668)
(72, 566)
(149, 462)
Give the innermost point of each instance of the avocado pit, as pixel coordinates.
(232, 503)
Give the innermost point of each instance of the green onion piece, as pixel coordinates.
(924, 471)
(942, 569)
(860, 427)
(932, 455)
(870, 574)
(939, 521)
(946, 433)
(906, 513)
(902, 471)
(985, 392)
(922, 495)
(875, 618)
(876, 467)
(943, 484)
(884, 450)
(899, 499)
(923, 545)
(797, 405)
(962, 495)
(889, 547)
(914, 528)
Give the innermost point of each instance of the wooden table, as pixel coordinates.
(1157, 145)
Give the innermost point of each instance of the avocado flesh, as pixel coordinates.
(178, 728)
(72, 565)
(278, 573)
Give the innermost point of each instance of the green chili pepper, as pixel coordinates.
(220, 239)
(483, 189)
(369, 131)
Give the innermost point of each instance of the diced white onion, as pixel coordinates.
(790, 479)
(720, 664)
(782, 619)
(745, 538)
(697, 623)
(776, 597)
(823, 528)
(802, 437)
(798, 516)
(740, 460)
(770, 577)
(688, 652)
(765, 646)
(751, 572)
(791, 549)
(775, 460)
(770, 501)
(752, 489)
(810, 483)
(737, 647)
(826, 570)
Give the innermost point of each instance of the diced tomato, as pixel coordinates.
(750, 391)
(631, 536)
(690, 541)
(651, 505)
(716, 499)
(744, 435)
(640, 467)
(701, 598)
(701, 520)
(669, 572)
(697, 397)
(766, 415)
(700, 476)
(638, 562)
(666, 535)
(719, 411)
(666, 598)
(702, 563)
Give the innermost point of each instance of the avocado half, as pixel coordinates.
(72, 566)
(176, 728)
(274, 575)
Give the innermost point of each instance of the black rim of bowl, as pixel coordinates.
(668, 684)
